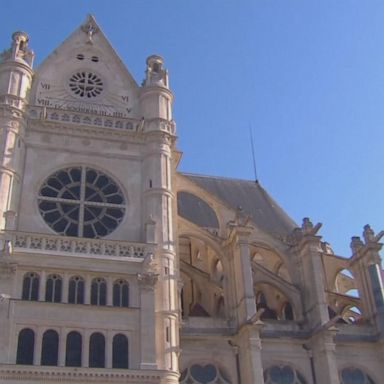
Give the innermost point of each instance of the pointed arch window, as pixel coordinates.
(50, 348)
(25, 347)
(76, 290)
(97, 350)
(120, 351)
(121, 293)
(99, 291)
(287, 311)
(283, 375)
(73, 349)
(355, 376)
(30, 286)
(53, 289)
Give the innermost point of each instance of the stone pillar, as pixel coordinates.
(64, 292)
(325, 362)
(108, 350)
(62, 346)
(42, 285)
(147, 283)
(249, 343)
(87, 289)
(38, 346)
(308, 253)
(366, 266)
(85, 349)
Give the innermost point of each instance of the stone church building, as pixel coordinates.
(117, 268)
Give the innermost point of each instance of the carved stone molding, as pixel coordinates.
(147, 281)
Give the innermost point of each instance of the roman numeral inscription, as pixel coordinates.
(43, 102)
(125, 98)
(45, 86)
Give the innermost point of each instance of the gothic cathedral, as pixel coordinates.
(117, 268)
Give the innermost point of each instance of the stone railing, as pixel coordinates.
(55, 244)
(85, 116)
(84, 375)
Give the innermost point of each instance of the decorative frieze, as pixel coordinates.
(32, 242)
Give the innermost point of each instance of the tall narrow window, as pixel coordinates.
(50, 348)
(99, 291)
(97, 351)
(73, 349)
(287, 312)
(30, 286)
(120, 293)
(25, 347)
(76, 290)
(120, 351)
(53, 289)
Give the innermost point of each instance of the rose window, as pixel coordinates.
(86, 84)
(82, 202)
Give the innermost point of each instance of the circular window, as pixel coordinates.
(82, 202)
(86, 84)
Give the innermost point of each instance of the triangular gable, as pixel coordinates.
(85, 74)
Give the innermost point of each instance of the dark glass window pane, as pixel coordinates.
(97, 350)
(95, 293)
(116, 295)
(125, 296)
(203, 374)
(57, 296)
(25, 347)
(120, 352)
(49, 290)
(73, 350)
(50, 348)
(72, 292)
(30, 287)
(288, 312)
(103, 294)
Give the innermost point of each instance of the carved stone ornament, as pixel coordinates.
(147, 281)
(90, 29)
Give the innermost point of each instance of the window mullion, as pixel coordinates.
(82, 197)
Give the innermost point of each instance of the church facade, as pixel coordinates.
(117, 268)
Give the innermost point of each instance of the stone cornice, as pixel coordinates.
(76, 375)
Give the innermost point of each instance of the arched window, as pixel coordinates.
(120, 351)
(287, 312)
(76, 290)
(99, 291)
(355, 376)
(30, 286)
(73, 349)
(97, 351)
(120, 294)
(50, 348)
(53, 289)
(261, 300)
(25, 347)
(204, 373)
(283, 375)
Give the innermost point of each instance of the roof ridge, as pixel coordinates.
(219, 177)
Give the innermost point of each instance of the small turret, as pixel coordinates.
(155, 73)
(156, 97)
(15, 81)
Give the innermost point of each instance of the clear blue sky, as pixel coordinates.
(307, 75)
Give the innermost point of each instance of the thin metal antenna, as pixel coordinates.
(253, 152)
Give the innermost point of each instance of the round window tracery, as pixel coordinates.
(82, 202)
(86, 84)
(203, 374)
(355, 376)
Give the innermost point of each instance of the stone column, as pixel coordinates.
(42, 285)
(62, 346)
(249, 342)
(323, 348)
(147, 283)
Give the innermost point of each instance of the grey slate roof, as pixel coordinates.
(251, 197)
